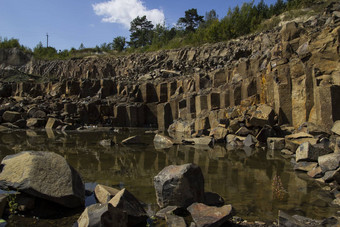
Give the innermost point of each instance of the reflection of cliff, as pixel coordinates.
(243, 177)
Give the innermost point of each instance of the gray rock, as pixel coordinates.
(164, 140)
(274, 143)
(174, 221)
(264, 115)
(336, 128)
(179, 185)
(45, 175)
(305, 166)
(11, 116)
(92, 215)
(295, 140)
(329, 162)
(308, 152)
(167, 210)
(250, 141)
(125, 201)
(204, 215)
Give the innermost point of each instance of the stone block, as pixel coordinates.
(219, 77)
(225, 99)
(164, 116)
(201, 103)
(162, 92)
(149, 93)
(72, 87)
(213, 101)
(275, 143)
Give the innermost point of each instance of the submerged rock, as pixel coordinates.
(45, 175)
(164, 140)
(179, 185)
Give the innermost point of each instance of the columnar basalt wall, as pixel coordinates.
(293, 68)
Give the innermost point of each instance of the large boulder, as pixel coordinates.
(329, 162)
(92, 215)
(11, 116)
(179, 185)
(264, 115)
(308, 152)
(45, 175)
(204, 215)
(293, 141)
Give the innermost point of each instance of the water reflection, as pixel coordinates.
(243, 177)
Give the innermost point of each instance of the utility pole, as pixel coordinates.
(47, 39)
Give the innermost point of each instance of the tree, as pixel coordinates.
(141, 32)
(211, 16)
(191, 20)
(119, 43)
(81, 47)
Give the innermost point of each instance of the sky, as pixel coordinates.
(92, 22)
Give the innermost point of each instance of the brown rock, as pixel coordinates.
(204, 215)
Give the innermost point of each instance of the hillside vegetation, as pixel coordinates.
(191, 30)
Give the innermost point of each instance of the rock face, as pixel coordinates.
(179, 185)
(45, 175)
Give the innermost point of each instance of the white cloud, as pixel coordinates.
(124, 11)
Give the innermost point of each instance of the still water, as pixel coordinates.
(256, 182)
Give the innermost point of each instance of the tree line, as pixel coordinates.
(191, 29)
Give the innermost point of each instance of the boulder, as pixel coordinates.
(329, 162)
(132, 140)
(305, 166)
(293, 141)
(289, 31)
(307, 152)
(204, 215)
(315, 172)
(11, 116)
(250, 141)
(179, 185)
(167, 210)
(275, 143)
(264, 115)
(164, 140)
(92, 215)
(336, 128)
(104, 193)
(219, 133)
(45, 175)
(115, 217)
(126, 202)
(35, 123)
(174, 221)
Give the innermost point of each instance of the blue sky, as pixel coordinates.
(91, 22)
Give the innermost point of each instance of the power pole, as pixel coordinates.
(47, 39)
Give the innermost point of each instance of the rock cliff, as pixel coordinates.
(293, 68)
